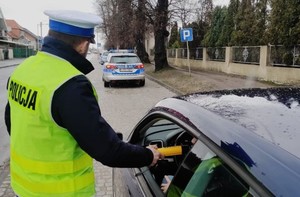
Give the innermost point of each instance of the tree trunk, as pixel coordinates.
(140, 47)
(160, 33)
(160, 55)
(141, 28)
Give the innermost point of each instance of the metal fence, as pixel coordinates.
(278, 55)
(283, 56)
(246, 54)
(196, 53)
(182, 53)
(21, 52)
(171, 53)
(216, 53)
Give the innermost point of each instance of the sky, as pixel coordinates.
(29, 14)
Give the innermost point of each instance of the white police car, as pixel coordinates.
(123, 67)
(103, 57)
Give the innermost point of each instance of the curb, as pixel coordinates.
(8, 65)
(177, 92)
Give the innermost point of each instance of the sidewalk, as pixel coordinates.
(103, 174)
(11, 62)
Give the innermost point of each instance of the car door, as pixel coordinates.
(202, 169)
(162, 131)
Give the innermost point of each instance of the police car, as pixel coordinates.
(123, 67)
(103, 57)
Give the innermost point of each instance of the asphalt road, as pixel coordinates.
(123, 106)
(4, 137)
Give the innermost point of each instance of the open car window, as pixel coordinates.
(197, 171)
(203, 173)
(164, 133)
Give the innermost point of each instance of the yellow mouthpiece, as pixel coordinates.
(170, 151)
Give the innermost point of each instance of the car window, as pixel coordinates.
(124, 59)
(197, 171)
(203, 173)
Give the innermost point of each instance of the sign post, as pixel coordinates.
(186, 35)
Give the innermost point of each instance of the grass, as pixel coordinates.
(181, 82)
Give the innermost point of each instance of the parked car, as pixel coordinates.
(103, 57)
(123, 67)
(122, 51)
(246, 145)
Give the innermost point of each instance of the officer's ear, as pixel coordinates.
(82, 47)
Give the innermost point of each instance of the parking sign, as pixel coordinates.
(186, 34)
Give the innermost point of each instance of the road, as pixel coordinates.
(4, 138)
(124, 106)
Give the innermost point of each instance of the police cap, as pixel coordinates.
(73, 22)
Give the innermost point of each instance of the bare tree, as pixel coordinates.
(117, 25)
(160, 33)
(107, 9)
(184, 10)
(141, 25)
(148, 13)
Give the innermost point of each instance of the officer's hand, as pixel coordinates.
(156, 155)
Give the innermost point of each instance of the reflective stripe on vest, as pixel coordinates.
(51, 167)
(45, 158)
(52, 187)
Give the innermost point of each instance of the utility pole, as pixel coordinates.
(40, 35)
(41, 29)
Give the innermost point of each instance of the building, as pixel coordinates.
(16, 33)
(16, 41)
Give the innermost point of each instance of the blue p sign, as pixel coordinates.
(186, 34)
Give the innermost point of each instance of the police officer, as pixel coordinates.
(54, 120)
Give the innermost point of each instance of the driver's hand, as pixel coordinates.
(156, 155)
(164, 186)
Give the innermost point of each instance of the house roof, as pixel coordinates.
(15, 31)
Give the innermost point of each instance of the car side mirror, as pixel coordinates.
(120, 135)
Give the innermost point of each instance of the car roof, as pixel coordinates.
(225, 117)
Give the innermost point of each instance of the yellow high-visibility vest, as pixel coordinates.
(45, 159)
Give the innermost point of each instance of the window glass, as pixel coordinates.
(203, 173)
(125, 59)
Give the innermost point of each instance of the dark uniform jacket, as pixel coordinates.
(75, 108)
